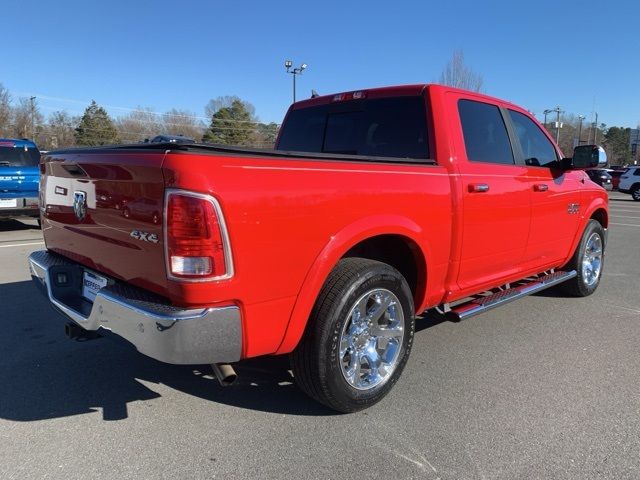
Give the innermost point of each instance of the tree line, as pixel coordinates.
(615, 140)
(231, 121)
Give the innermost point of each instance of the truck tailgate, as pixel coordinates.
(103, 209)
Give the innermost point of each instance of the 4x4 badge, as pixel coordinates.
(573, 208)
(144, 236)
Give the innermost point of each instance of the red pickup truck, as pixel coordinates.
(375, 205)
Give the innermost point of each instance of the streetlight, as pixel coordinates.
(295, 71)
(581, 118)
(546, 112)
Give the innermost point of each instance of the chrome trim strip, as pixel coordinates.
(168, 334)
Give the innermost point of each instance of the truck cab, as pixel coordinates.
(19, 178)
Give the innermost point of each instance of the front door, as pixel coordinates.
(555, 194)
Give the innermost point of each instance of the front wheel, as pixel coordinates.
(358, 338)
(587, 261)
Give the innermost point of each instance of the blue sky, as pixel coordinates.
(162, 54)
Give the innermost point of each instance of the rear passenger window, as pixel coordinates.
(637, 173)
(485, 134)
(537, 149)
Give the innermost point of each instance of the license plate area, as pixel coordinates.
(91, 284)
(8, 202)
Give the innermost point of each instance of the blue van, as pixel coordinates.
(19, 178)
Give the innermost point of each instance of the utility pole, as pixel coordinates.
(581, 118)
(32, 105)
(595, 130)
(557, 110)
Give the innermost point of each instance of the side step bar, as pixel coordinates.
(484, 304)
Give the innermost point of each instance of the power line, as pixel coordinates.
(132, 110)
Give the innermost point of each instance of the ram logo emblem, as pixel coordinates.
(80, 205)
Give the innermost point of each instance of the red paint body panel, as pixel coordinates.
(291, 219)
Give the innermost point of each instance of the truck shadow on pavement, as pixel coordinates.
(44, 375)
(15, 226)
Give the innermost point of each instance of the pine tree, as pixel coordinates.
(230, 125)
(96, 127)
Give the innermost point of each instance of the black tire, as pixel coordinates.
(635, 193)
(579, 285)
(315, 362)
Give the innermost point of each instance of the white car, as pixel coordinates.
(630, 183)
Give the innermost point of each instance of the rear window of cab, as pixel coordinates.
(382, 127)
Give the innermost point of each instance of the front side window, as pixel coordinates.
(537, 149)
(485, 134)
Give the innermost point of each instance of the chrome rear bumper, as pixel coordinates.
(164, 332)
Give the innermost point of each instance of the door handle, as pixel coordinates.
(478, 187)
(540, 187)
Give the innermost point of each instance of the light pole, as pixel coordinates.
(546, 112)
(295, 72)
(581, 118)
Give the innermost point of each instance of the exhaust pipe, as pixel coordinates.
(225, 374)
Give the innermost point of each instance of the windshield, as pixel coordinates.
(19, 157)
(384, 127)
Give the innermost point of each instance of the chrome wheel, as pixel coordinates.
(371, 339)
(592, 260)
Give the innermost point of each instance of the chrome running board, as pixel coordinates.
(521, 289)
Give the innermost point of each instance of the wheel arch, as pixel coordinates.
(596, 210)
(368, 238)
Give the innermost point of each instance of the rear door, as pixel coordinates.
(495, 196)
(555, 193)
(19, 172)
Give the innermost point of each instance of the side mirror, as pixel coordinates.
(588, 156)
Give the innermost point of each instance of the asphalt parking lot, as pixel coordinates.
(547, 387)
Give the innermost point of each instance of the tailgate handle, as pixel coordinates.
(478, 187)
(540, 187)
(75, 170)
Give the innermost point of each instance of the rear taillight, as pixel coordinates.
(197, 245)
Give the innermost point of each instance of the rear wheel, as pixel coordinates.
(588, 261)
(358, 338)
(635, 193)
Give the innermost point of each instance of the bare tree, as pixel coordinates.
(139, 124)
(5, 111)
(60, 130)
(226, 101)
(182, 122)
(27, 119)
(457, 74)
